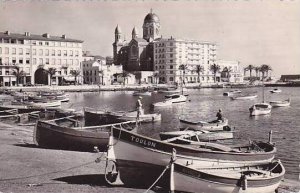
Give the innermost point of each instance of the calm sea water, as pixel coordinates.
(203, 104)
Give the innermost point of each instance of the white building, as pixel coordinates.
(171, 53)
(34, 54)
(97, 72)
(231, 71)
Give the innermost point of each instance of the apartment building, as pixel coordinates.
(35, 54)
(171, 53)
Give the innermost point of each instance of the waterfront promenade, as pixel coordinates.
(26, 168)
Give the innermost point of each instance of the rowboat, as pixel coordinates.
(275, 90)
(93, 117)
(132, 116)
(232, 92)
(283, 103)
(260, 109)
(201, 135)
(164, 103)
(244, 97)
(44, 103)
(251, 179)
(203, 125)
(49, 134)
(140, 159)
(176, 98)
(141, 93)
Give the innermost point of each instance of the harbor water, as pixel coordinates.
(203, 105)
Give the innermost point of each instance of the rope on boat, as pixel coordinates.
(172, 160)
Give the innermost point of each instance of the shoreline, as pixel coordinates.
(27, 168)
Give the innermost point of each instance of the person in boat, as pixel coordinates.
(139, 107)
(219, 116)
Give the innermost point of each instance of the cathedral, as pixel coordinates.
(137, 55)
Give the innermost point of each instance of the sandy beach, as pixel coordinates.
(27, 168)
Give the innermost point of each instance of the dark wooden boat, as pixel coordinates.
(140, 159)
(55, 135)
(263, 178)
(94, 117)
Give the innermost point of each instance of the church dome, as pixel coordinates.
(151, 17)
(118, 30)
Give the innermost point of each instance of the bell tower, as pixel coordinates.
(151, 27)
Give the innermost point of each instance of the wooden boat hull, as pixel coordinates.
(49, 135)
(188, 179)
(140, 160)
(209, 126)
(202, 136)
(143, 118)
(94, 117)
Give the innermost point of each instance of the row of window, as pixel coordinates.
(90, 72)
(54, 61)
(41, 52)
(41, 43)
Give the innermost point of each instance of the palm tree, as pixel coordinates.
(125, 76)
(51, 72)
(18, 74)
(75, 73)
(198, 70)
(265, 69)
(214, 68)
(250, 68)
(257, 70)
(183, 68)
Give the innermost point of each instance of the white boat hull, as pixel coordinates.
(260, 109)
(280, 103)
(244, 97)
(190, 184)
(46, 104)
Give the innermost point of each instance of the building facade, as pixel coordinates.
(170, 54)
(231, 71)
(35, 54)
(100, 73)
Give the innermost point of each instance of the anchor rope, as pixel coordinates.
(163, 172)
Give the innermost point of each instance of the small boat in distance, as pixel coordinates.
(275, 90)
(231, 92)
(141, 93)
(164, 103)
(264, 178)
(283, 103)
(176, 98)
(244, 97)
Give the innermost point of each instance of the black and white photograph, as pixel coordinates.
(149, 96)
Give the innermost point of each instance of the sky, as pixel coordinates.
(251, 31)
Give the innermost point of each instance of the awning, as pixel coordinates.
(69, 78)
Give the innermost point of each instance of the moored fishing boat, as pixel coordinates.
(92, 116)
(275, 90)
(140, 159)
(49, 134)
(164, 103)
(244, 97)
(205, 125)
(141, 93)
(176, 98)
(201, 135)
(251, 179)
(283, 103)
(44, 103)
(132, 116)
(231, 92)
(260, 109)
